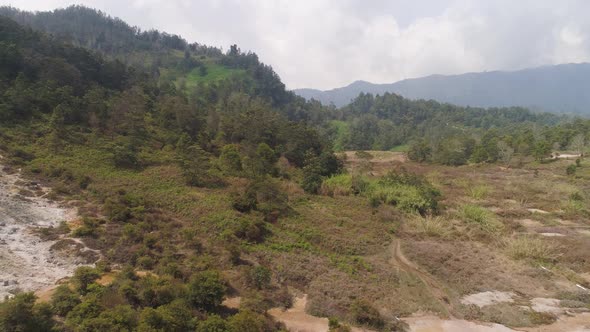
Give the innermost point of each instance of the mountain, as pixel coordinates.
(558, 88)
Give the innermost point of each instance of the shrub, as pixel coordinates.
(213, 323)
(206, 290)
(83, 277)
(22, 314)
(258, 276)
(571, 169)
(230, 160)
(409, 192)
(365, 314)
(64, 300)
(247, 321)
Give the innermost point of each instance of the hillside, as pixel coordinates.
(559, 88)
(220, 204)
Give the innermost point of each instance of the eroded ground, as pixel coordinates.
(29, 262)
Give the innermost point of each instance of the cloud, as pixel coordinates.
(330, 43)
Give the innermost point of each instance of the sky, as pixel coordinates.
(326, 44)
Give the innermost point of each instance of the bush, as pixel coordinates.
(206, 290)
(247, 321)
(571, 169)
(258, 277)
(83, 277)
(213, 323)
(365, 314)
(22, 314)
(230, 160)
(408, 192)
(64, 300)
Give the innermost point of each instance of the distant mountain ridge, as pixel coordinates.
(557, 88)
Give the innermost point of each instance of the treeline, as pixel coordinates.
(93, 29)
(151, 51)
(384, 122)
(501, 145)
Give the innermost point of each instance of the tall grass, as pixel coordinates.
(337, 185)
(478, 192)
(480, 217)
(529, 247)
(429, 226)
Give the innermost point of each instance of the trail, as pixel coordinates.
(434, 287)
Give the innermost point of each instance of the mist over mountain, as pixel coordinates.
(558, 88)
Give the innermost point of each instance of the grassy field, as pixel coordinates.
(214, 73)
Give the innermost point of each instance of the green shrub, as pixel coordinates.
(571, 169)
(258, 276)
(64, 300)
(22, 314)
(206, 290)
(213, 323)
(83, 277)
(409, 192)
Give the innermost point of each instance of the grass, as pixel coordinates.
(340, 185)
(480, 217)
(531, 248)
(215, 72)
(400, 148)
(478, 192)
(432, 226)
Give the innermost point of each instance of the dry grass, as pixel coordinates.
(531, 248)
(431, 226)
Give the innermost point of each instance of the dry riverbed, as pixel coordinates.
(28, 263)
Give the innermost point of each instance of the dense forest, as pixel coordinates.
(192, 156)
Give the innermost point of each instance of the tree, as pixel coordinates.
(247, 321)
(420, 151)
(213, 323)
(23, 315)
(505, 152)
(578, 144)
(230, 159)
(541, 150)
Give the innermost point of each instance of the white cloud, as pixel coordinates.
(329, 43)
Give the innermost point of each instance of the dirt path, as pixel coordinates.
(297, 320)
(434, 287)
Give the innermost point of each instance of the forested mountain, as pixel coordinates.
(167, 58)
(559, 88)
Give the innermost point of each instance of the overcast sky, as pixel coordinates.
(330, 43)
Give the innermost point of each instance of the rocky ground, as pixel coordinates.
(28, 263)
